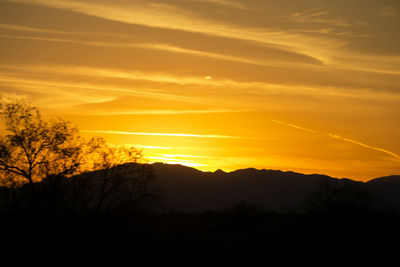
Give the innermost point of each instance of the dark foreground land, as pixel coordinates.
(242, 235)
(340, 224)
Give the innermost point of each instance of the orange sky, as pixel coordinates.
(310, 86)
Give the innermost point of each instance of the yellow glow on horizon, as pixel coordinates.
(173, 160)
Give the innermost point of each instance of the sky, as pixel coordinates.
(311, 86)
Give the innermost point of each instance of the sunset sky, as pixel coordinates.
(311, 86)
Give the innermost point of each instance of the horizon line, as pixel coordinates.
(264, 169)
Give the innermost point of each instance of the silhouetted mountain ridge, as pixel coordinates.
(390, 179)
(387, 187)
(188, 189)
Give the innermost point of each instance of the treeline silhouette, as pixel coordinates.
(104, 203)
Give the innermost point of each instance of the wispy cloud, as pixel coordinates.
(28, 29)
(325, 48)
(317, 17)
(344, 60)
(113, 73)
(143, 13)
(335, 136)
(129, 42)
(73, 41)
(226, 3)
(24, 28)
(162, 134)
(152, 147)
(66, 85)
(389, 12)
(167, 112)
(32, 76)
(182, 156)
(225, 57)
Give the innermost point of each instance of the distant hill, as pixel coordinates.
(188, 189)
(387, 187)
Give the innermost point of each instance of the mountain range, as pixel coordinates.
(187, 189)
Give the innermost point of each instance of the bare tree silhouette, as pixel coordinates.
(47, 155)
(33, 149)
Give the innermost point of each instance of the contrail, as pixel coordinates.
(363, 145)
(294, 126)
(335, 136)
